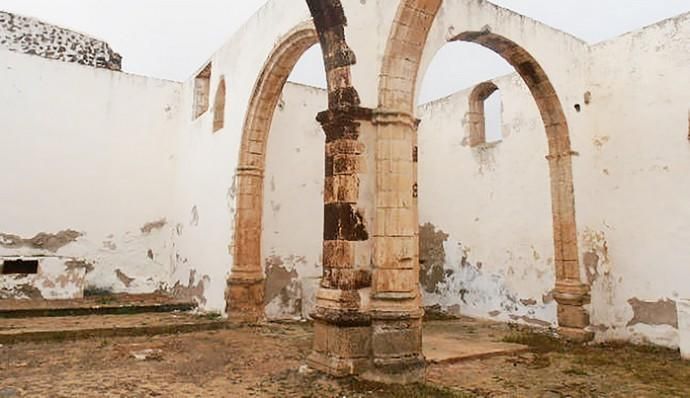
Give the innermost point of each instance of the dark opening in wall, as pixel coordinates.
(202, 88)
(19, 267)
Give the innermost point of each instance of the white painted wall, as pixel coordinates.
(106, 153)
(292, 237)
(88, 150)
(632, 179)
(494, 203)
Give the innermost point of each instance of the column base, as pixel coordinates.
(245, 301)
(576, 335)
(341, 350)
(337, 367)
(397, 348)
(399, 370)
(573, 317)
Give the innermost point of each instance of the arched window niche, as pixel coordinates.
(484, 116)
(219, 107)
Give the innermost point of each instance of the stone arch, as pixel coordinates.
(219, 106)
(397, 93)
(245, 293)
(476, 116)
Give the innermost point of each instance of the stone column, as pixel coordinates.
(570, 293)
(395, 306)
(245, 290)
(342, 326)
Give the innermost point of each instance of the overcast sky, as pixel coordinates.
(172, 38)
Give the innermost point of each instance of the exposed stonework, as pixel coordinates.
(662, 312)
(432, 257)
(31, 36)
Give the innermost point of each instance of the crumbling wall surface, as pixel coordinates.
(486, 239)
(87, 165)
(292, 236)
(205, 198)
(31, 36)
(206, 177)
(632, 182)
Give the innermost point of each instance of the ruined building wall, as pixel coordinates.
(632, 182)
(87, 159)
(31, 36)
(205, 196)
(485, 213)
(126, 178)
(293, 197)
(630, 137)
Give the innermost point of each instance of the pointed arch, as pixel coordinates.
(245, 293)
(397, 93)
(477, 116)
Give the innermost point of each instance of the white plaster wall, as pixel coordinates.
(293, 203)
(493, 202)
(119, 159)
(88, 150)
(632, 180)
(207, 161)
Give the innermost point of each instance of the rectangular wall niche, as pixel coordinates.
(202, 89)
(11, 267)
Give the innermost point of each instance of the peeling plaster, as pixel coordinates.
(148, 227)
(596, 255)
(126, 280)
(193, 290)
(432, 257)
(281, 282)
(662, 312)
(195, 217)
(42, 241)
(71, 265)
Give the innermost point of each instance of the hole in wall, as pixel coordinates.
(578, 108)
(11, 267)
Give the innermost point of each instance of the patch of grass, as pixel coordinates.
(95, 291)
(211, 316)
(370, 389)
(537, 342)
(652, 365)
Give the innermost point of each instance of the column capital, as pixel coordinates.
(352, 112)
(383, 116)
(251, 171)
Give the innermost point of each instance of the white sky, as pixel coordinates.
(171, 38)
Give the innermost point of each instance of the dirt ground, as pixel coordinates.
(267, 362)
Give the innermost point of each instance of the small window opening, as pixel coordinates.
(19, 267)
(202, 88)
(578, 108)
(219, 107)
(485, 119)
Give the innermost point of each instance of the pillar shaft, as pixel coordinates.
(395, 307)
(342, 326)
(570, 293)
(245, 286)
